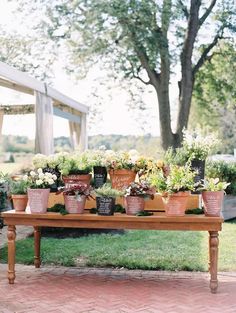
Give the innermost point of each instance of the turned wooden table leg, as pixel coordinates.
(11, 236)
(213, 257)
(37, 238)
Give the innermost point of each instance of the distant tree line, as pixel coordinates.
(147, 144)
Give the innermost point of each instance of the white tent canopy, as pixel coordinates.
(48, 101)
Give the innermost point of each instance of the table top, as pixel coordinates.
(117, 221)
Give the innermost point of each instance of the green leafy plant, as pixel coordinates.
(176, 156)
(97, 157)
(140, 189)
(197, 145)
(18, 187)
(180, 178)
(76, 164)
(122, 160)
(119, 208)
(49, 161)
(144, 213)
(77, 190)
(225, 172)
(58, 208)
(213, 184)
(4, 190)
(107, 191)
(195, 211)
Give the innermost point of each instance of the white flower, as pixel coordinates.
(50, 181)
(39, 182)
(32, 173)
(25, 177)
(39, 160)
(54, 177)
(47, 174)
(41, 176)
(40, 170)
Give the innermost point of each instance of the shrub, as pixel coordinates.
(225, 172)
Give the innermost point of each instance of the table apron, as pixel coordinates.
(155, 225)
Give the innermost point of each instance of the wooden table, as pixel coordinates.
(158, 221)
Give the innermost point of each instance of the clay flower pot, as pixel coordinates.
(19, 202)
(75, 204)
(176, 204)
(212, 202)
(120, 179)
(134, 204)
(73, 180)
(38, 200)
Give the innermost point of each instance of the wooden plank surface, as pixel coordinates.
(118, 221)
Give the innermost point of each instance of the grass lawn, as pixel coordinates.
(134, 249)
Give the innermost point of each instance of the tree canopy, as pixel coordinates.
(158, 43)
(214, 97)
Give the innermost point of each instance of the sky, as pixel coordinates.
(115, 118)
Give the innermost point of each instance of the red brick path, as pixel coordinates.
(68, 290)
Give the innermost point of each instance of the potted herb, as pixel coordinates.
(122, 168)
(75, 197)
(38, 189)
(196, 148)
(106, 199)
(18, 190)
(174, 188)
(213, 195)
(76, 168)
(135, 196)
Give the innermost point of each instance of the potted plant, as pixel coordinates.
(122, 168)
(135, 196)
(49, 163)
(225, 171)
(99, 167)
(213, 195)
(18, 190)
(38, 189)
(196, 148)
(4, 194)
(76, 168)
(174, 188)
(106, 199)
(75, 197)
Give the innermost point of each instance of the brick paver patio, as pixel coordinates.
(67, 290)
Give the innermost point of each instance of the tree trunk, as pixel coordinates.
(187, 81)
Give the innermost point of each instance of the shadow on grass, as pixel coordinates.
(134, 249)
(231, 221)
(55, 232)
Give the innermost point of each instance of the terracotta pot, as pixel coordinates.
(73, 180)
(105, 205)
(120, 179)
(133, 205)
(212, 202)
(38, 200)
(176, 204)
(19, 202)
(74, 205)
